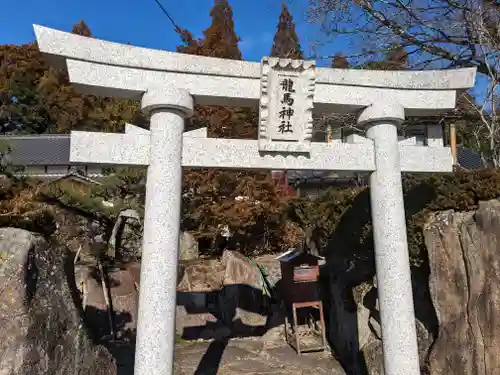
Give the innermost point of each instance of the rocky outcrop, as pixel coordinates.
(125, 241)
(216, 298)
(122, 285)
(354, 328)
(457, 300)
(42, 329)
(126, 237)
(188, 247)
(222, 298)
(464, 258)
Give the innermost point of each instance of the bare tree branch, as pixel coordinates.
(434, 34)
(442, 29)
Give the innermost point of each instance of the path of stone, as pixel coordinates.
(250, 358)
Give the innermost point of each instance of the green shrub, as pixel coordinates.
(340, 220)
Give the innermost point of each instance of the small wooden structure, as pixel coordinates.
(300, 291)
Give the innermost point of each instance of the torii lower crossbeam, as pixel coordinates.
(131, 149)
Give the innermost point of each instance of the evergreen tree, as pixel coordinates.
(190, 45)
(22, 108)
(82, 29)
(220, 38)
(286, 42)
(339, 61)
(210, 196)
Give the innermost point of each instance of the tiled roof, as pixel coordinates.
(44, 149)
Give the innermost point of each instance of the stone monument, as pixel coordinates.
(287, 93)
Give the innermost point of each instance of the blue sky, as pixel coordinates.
(142, 23)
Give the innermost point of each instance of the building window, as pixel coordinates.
(36, 169)
(417, 131)
(56, 170)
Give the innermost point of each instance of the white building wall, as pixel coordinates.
(59, 170)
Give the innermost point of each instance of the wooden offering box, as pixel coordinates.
(300, 277)
(300, 291)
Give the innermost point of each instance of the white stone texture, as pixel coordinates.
(178, 99)
(129, 83)
(425, 159)
(133, 149)
(197, 133)
(157, 298)
(411, 141)
(132, 129)
(62, 45)
(388, 110)
(397, 315)
(244, 154)
(109, 148)
(112, 69)
(301, 75)
(355, 138)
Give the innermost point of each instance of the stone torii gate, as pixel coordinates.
(288, 92)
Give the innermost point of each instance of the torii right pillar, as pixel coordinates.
(399, 338)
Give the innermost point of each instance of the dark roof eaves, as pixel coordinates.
(33, 136)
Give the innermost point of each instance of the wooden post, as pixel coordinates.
(453, 143)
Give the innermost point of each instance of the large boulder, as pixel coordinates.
(125, 242)
(197, 301)
(188, 247)
(216, 298)
(464, 281)
(457, 300)
(220, 298)
(122, 285)
(42, 327)
(246, 306)
(355, 332)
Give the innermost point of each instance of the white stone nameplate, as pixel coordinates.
(286, 105)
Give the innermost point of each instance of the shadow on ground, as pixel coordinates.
(224, 305)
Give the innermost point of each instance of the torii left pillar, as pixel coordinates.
(155, 341)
